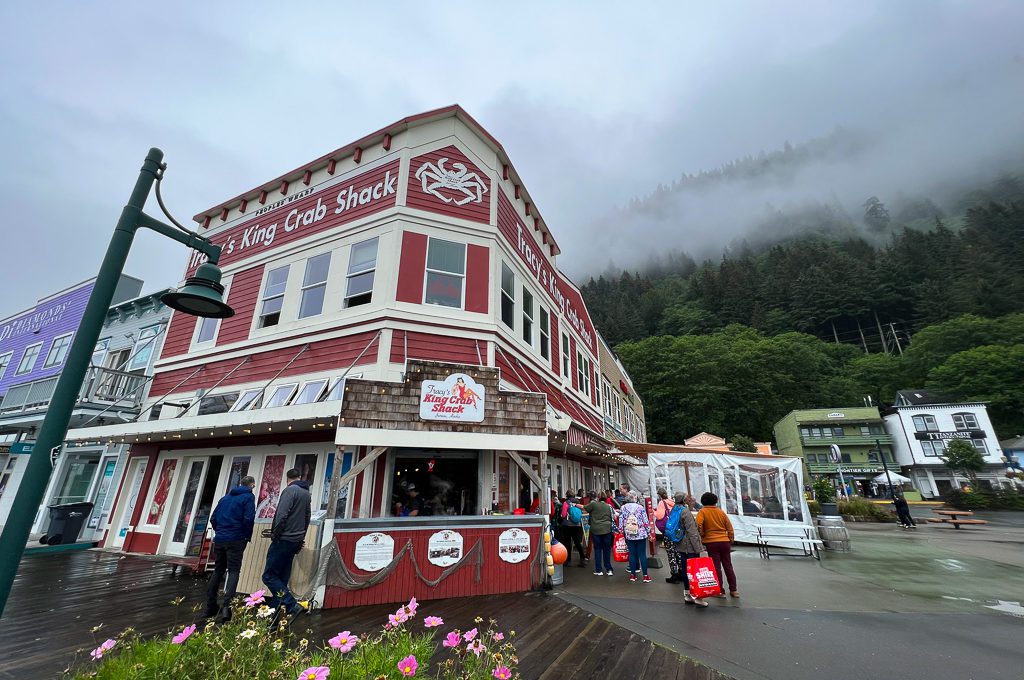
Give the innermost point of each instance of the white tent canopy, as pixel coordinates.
(755, 491)
(897, 479)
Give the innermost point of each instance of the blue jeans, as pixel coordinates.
(602, 552)
(278, 572)
(637, 555)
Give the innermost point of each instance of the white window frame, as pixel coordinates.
(427, 271)
(607, 397)
(144, 341)
(49, 361)
(927, 419)
(38, 347)
(306, 287)
(963, 424)
(510, 296)
(249, 404)
(265, 298)
(316, 397)
(362, 272)
(201, 324)
(618, 409)
(5, 361)
(336, 384)
(980, 445)
(582, 372)
(566, 358)
(544, 332)
(101, 348)
(526, 332)
(278, 389)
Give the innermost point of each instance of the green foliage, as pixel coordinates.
(860, 507)
(741, 442)
(962, 457)
(967, 500)
(824, 492)
(991, 373)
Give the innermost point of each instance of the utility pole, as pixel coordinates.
(863, 340)
(896, 338)
(881, 334)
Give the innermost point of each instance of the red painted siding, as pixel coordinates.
(495, 575)
(336, 353)
(435, 348)
(411, 267)
(478, 207)
(478, 270)
(245, 288)
(373, 191)
(556, 346)
(179, 335)
(142, 543)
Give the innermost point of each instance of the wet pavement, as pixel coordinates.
(932, 603)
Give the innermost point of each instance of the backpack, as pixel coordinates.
(674, 529)
(575, 515)
(631, 529)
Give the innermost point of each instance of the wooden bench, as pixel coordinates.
(954, 517)
(809, 545)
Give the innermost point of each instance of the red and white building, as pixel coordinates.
(410, 255)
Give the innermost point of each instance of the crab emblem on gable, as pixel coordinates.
(468, 186)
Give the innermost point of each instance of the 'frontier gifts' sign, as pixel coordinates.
(457, 398)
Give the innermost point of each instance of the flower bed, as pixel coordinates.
(252, 645)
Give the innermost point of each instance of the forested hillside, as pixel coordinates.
(828, 316)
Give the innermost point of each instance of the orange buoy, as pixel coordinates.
(558, 553)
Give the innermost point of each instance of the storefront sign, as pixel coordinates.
(457, 398)
(34, 320)
(374, 551)
(514, 545)
(444, 548)
(836, 414)
(943, 436)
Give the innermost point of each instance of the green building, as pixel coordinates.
(810, 434)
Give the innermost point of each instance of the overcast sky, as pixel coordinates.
(594, 102)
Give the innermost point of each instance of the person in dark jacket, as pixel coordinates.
(903, 512)
(232, 522)
(287, 535)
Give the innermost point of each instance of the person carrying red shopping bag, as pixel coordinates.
(702, 577)
(717, 535)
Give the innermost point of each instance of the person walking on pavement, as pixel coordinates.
(602, 518)
(572, 527)
(232, 521)
(636, 529)
(903, 511)
(717, 535)
(690, 547)
(287, 535)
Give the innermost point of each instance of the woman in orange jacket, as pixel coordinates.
(717, 534)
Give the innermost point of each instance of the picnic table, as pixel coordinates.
(954, 517)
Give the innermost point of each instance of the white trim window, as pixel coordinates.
(310, 391)
(58, 350)
(362, 267)
(566, 359)
(527, 317)
(934, 449)
(98, 354)
(607, 398)
(925, 423)
(597, 389)
(336, 391)
(314, 285)
(981, 446)
(965, 421)
(445, 273)
(618, 410)
(545, 333)
(143, 349)
(207, 330)
(280, 395)
(250, 399)
(5, 360)
(28, 359)
(583, 373)
(508, 296)
(273, 297)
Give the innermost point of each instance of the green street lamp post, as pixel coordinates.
(201, 296)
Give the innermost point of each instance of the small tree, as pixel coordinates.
(741, 442)
(962, 457)
(824, 491)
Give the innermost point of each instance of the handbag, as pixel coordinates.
(702, 577)
(620, 552)
(660, 524)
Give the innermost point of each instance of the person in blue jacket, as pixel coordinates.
(232, 521)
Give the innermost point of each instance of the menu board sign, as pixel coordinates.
(374, 551)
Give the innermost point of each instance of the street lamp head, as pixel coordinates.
(202, 295)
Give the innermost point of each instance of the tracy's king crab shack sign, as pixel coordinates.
(457, 398)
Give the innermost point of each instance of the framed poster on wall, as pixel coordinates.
(270, 487)
(161, 491)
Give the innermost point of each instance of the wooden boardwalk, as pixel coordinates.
(57, 598)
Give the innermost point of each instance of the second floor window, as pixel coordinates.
(925, 424)
(362, 265)
(314, 284)
(508, 296)
(58, 351)
(143, 350)
(273, 297)
(965, 421)
(207, 329)
(527, 317)
(565, 355)
(545, 334)
(446, 273)
(28, 359)
(5, 359)
(583, 372)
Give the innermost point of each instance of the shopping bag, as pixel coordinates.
(620, 552)
(702, 577)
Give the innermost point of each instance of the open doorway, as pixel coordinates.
(435, 483)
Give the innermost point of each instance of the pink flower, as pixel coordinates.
(433, 622)
(498, 637)
(315, 673)
(255, 598)
(408, 666)
(502, 673)
(98, 653)
(453, 639)
(470, 635)
(476, 647)
(185, 634)
(398, 618)
(343, 642)
(412, 606)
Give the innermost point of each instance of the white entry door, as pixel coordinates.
(120, 527)
(187, 499)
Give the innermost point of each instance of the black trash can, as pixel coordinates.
(66, 523)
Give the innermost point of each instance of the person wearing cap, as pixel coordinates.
(414, 506)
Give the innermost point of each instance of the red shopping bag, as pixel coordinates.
(702, 577)
(620, 552)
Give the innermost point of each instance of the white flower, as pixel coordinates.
(264, 612)
(248, 633)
